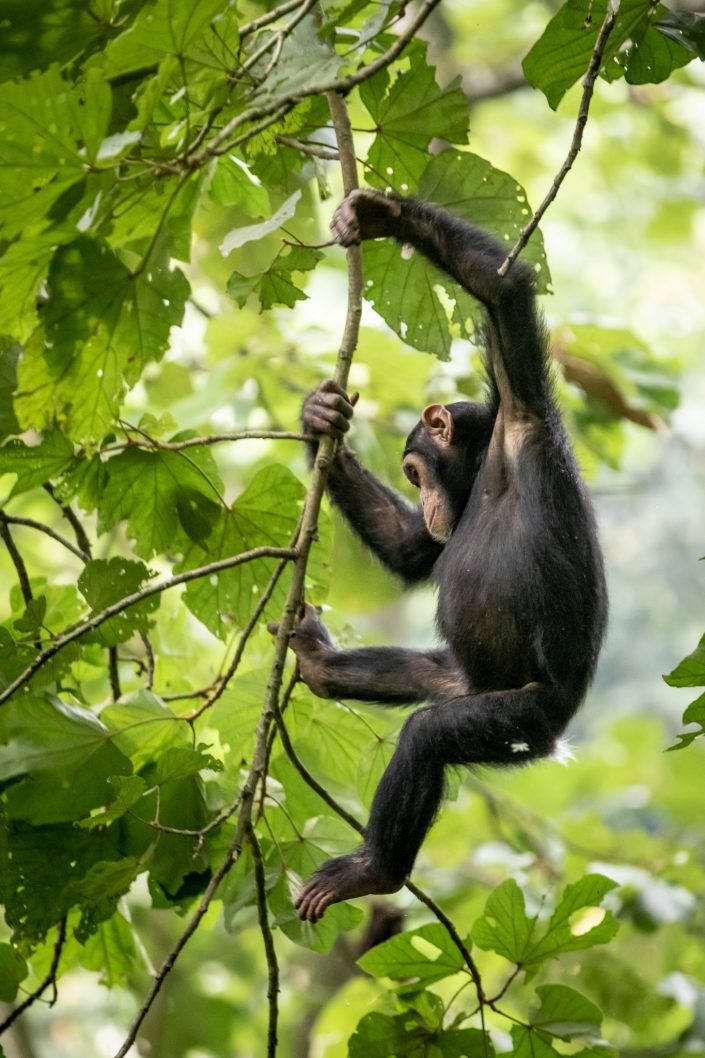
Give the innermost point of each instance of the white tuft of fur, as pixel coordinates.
(519, 747)
(563, 752)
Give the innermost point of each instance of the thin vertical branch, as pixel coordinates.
(17, 560)
(307, 535)
(268, 942)
(588, 89)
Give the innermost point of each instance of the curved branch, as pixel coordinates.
(138, 596)
(588, 88)
(50, 979)
(13, 519)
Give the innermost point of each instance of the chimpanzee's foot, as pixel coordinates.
(342, 879)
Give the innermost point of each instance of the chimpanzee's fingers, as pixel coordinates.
(345, 225)
(327, 420)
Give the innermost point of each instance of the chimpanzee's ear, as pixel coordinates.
(439, 423)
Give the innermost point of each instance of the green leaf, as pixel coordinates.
(426, 954)
(562, 54)
(504, 926)
(38, 735)
(99, 890)
(565, 1013)
(567, 929)
(63, 756)
(107, 581)
(530, 1044)
(9, 355)
(691, 671)
(694, 714)
(160, 30)
(35, 464)
(653, 56)
(144, 728)
(13, 970)
(128, 790)
(266, 514)
(407, 115)
(234, 185)
(380, 1036)
(112, 952)
(685, 28)
(464, 1043)
(275, 286)
(101, 325)
(402, 288)
(157, 492)
(50, 131)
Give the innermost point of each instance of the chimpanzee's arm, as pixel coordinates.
(391, 527)
(518, 348)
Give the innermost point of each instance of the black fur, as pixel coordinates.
(522, 602)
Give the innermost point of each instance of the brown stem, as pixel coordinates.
(131, 600)
(588, 88)
(268, 942)
(50, 979)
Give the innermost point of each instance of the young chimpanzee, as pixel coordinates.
(506, 531)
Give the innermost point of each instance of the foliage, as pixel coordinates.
(143, 407)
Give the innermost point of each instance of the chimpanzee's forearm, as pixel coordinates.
(390, 526)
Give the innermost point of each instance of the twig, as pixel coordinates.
(265, 20)
(147, 644)
(130, 600)
(114, 673)
(13, 519)
(268, 942)
(343, 85)
(277, 40)
(588, 88)
(17, 560)
(84, 544)
(455, 937)
(196, 442)
(50, 979)
(316, 150)
(224, 680)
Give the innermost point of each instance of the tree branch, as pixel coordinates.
(196, 442)
(17, 560)
(138, 596)
(13, 519)
(220, 145)
(268, 942)
(50, 979)
(588, 88)
(307, 534)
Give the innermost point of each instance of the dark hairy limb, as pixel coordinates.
(388, 675)
(392, 528)
(518, 353)
(500, 727)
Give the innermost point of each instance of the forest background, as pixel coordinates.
(167, 175)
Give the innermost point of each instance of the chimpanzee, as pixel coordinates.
(506, 531)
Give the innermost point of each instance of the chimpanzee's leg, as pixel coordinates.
(498, 727)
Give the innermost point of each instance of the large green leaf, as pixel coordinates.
(167, 498)
(266, 514)
(407, 114)
(106, 581)
(101, 325)
(163, 28)
(276, 285)
(402, 288)
(426, 954)
(35, 464)
(60, 757)
(51, 130)
(635, 48)
(565, 1013)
